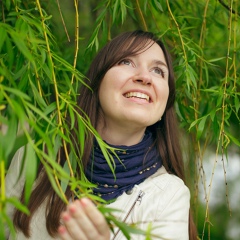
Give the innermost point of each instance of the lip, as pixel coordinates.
(140, 91)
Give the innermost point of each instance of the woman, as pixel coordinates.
(131, 105)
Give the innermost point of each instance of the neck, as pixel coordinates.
(121, 136)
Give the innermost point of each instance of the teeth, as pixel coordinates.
(138, 95)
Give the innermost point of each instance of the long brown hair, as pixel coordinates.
(164, 131)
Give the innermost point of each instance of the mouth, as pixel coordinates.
(138, 95)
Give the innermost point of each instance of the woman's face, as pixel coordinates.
(134, 92)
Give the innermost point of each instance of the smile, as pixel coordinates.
(137, 95)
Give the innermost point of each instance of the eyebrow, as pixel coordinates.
(159, 62)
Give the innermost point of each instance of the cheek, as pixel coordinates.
(163, 92)
(106, 94)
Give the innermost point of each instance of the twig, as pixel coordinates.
(228, 8)
(141, 15)
(3, 12)
(179, 32)
(2, 183)
(64, 25)
(56, 94)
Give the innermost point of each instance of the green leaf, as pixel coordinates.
(10, 136)
(20, 73)
(53, 182)
(104, 210)
(64, 181)
(233, 139)
(3, 35)
(19, 111)
(39, 112)
(18, 205)
(72, 117)
(123, 11)
(81, 135)
(10, 53)
(191, 77)
(236, 102)
(216, 59)
(201, 126)
(39, 99)
(17, 92)
(2, 227)
(10, 225)
(108, 157)
(20, 141)
(19, 42)
(157, 5)
(115, 10)
(8, 4)
(31, 170)
(126, 229)
(49, 109)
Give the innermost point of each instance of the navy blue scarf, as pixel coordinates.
(138, 162)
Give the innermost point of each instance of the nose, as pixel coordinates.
(143, 76)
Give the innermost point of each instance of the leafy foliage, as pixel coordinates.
(41, 71)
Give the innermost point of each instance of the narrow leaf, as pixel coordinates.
(31, 170)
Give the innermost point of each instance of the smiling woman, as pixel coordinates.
(123, 92)
(131, 104)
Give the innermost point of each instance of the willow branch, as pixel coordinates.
(2, 183)
(230, 9)
(222, 136)
(179, 33)
(62, 19)
(3, 15)
(54, 79)
(140, 14)
(76, 37)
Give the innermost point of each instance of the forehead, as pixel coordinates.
(151, 51)
(136, 46)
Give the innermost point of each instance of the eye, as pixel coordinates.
(125, 62)
(159, 71)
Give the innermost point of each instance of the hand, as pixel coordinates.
(83, 221)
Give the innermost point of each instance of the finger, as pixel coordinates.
(96, 217)
(73, 229)
(83, 221)
(63, 233)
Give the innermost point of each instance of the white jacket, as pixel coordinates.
(162, 200)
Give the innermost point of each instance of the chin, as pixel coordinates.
(143, 124)
(142, 119)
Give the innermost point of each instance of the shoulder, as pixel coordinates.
(166, 198)
(164, 182)
(165, 204)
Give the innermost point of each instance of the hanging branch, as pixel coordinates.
(234, 52)
(201, 172)
(222, 134)
(179, 33)
(56, 95)
(3, 12)
(76, 38)
(140, 14)
(63, 22)
(230, 9)
(2, 183)
(154, 19)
